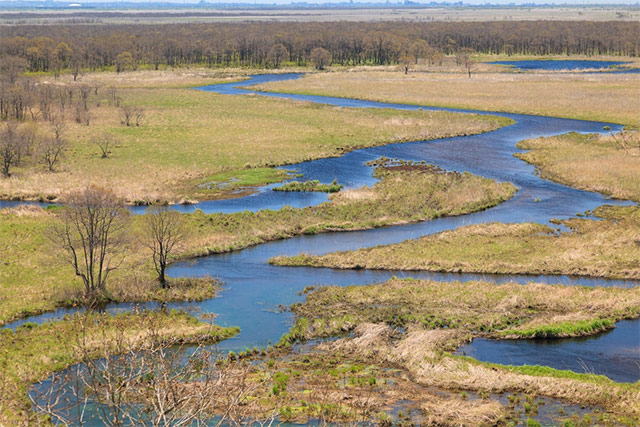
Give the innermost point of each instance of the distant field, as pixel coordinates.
(603, 97)
(458, 14)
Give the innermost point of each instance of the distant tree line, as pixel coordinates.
(270, 44)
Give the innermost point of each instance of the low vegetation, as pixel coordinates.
(33, 280)
(32, 352)
(606, 164)
(472, 309)
(603, 97)
(314, 185)
(603, 247)
(416, 324)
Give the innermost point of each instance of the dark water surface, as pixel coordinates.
(254, 289)
(569, 64)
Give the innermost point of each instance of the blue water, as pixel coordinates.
(254, 289)
(615, 354)
(569, 64)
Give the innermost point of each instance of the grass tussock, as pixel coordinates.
(589, 162)
(314, 185)
(32, 352)
(478, 308)
(604, 97)
(33, 280)
(607, 247)
(188, 136)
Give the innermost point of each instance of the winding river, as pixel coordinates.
(254, 289)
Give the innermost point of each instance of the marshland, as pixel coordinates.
(294, 229)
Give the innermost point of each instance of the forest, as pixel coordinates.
(268, 44)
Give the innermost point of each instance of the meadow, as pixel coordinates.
(612, 98)
(188, 138)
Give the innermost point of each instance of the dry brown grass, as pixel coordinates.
(464, 310)
(605, 97)
(589, 162)
(423, 352)
(601, 248)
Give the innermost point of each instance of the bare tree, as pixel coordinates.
(164, 229)
(463, 57)
(320, 57)
(11, 147)
(138, 114)
(406, 62)
(126, 113)
(277, 54)
(12, 67)
(52, 149)
(154, 381)
(105, 142)
(90, 233)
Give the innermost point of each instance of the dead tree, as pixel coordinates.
(105, 142)
(11, 147)
(51, 149)
(164, 229)
(90, 232)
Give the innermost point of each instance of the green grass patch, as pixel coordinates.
(314, 185)
(562, 329)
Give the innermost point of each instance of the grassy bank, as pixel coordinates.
(188, 138)
(33, 352)
(34, 280)
(606, 247)
(589, 162)
(604, 97)
(416, 324)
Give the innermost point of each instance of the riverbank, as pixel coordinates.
(34, 281)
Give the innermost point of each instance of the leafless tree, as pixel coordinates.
(105, 142)
(163, 229)
(90, 232)
(82, 115)
(277, 54)
(114, 98)
(138, 114)
(463, 57)
(126, 113)
(51, 149)
(153, 381)
(12, 67)
(11, 147)
(131, 114)
(320, 57)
